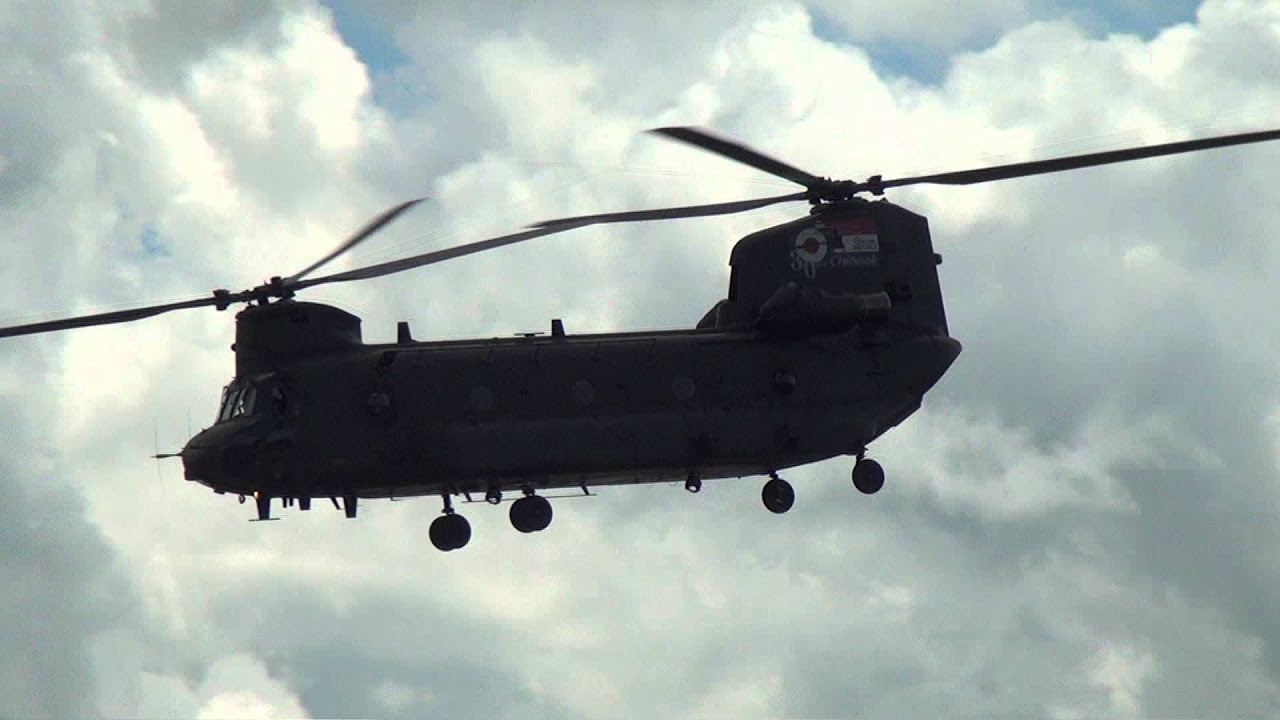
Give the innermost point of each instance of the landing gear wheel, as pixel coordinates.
(868, 476)
(450, 532)
(693, 484)
(530, 514)
(778, 495)
(493, 496)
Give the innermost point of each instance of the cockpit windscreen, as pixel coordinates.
(237, 400)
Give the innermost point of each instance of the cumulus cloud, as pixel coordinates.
(1076, 524)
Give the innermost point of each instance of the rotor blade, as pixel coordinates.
(107, 318)
(430, 258)
(686, 211)
(736, 151)
(371, 227)
(541, 229)
(1072, 162)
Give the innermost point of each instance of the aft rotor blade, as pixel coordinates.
(737, 151)
(371, 227)
(686, 211)
(106, 318)
(1073, 162)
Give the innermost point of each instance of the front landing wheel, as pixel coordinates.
(778, 495)
(868, 476)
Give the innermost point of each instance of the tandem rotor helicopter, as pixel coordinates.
(831, 332)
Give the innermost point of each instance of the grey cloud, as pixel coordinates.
(62, 586)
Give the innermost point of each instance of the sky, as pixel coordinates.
(1079, 522)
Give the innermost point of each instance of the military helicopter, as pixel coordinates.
(831, 332)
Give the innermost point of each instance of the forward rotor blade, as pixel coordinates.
(371, 227)
(1073, 162)
(435, 256)
(107, 318)
(734, 150)
(686, 211)
(549, 227)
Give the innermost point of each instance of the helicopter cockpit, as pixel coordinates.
(249, 437)
(245, 398)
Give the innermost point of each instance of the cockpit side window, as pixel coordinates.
(224, 404)
(230, 397)
(279, 401)
(244, 402)
(274, 397)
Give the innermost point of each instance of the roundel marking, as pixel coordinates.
(811, 245)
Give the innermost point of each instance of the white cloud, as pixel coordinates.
(239, 687)
(1122, 671)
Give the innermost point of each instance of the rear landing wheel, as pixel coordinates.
(778, 495)
(530, 514)
(450, 532)
(868, 476)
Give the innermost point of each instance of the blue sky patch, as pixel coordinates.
(152, 245)
(367, 35)
(927, 64)
(395, 87)
(1144, 18)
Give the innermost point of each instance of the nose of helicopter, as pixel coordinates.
(199, 463)
(231, 455)
(217, 453)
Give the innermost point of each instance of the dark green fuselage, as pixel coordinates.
(832, 331)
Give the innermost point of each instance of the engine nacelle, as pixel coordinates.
(795, 310)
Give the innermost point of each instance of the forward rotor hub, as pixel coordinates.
(827, 190)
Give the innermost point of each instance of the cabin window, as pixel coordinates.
(481, 399)
(583, 393)
(682, 388)
(279, 401)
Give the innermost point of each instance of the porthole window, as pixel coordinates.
(784, 382)
(583, 393)
(379, 404)
(481, 399)
(682, 388)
